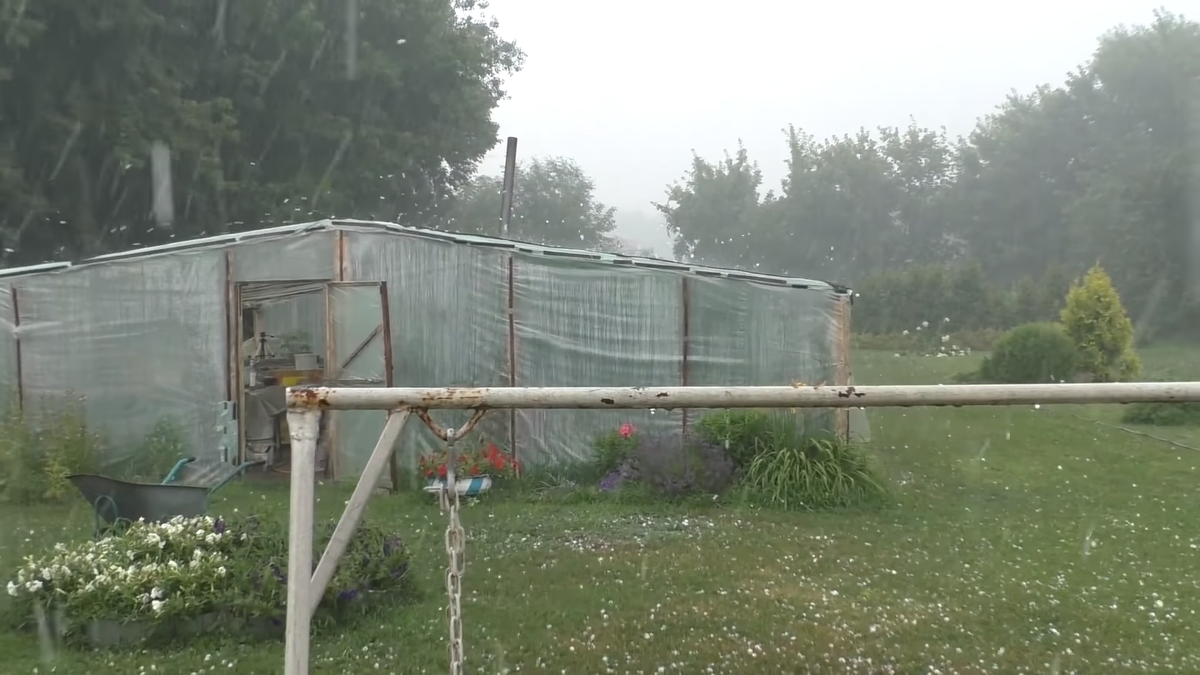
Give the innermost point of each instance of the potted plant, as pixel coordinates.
(474, 471)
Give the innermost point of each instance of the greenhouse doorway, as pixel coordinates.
(316, 332)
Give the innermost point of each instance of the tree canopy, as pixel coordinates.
(554, 204)
(255, 113)
(1097, 168)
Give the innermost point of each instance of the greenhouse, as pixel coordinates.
(209, 333)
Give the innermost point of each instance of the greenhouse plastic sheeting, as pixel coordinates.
(139, 340)
(8, 351)
(447, 304)
(746, 334)
(592, 325)
(310, 255)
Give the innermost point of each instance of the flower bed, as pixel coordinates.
(191, 575)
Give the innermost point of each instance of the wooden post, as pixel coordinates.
(512, 358)
(841, 352)
(685, 295)
(332, 360)
(16, 309)
(388, 379)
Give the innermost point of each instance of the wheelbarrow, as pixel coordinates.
(184, 492)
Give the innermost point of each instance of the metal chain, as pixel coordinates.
(456, 553)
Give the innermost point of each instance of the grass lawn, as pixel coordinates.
(1023, 540)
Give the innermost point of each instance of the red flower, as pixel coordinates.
(626, 430)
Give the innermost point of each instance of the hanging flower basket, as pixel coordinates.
(476, 470)
(466, 487)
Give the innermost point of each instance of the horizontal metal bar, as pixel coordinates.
(666, 398)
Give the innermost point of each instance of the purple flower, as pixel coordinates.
(611, 482)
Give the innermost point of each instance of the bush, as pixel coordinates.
(613, 448)
(1035, 352)
(37, 455)
(1162, 414)
(796, 472)
(740, 432)
(1101, 331)
(169, 574)
(163, 447)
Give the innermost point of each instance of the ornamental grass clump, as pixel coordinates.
(793, 471)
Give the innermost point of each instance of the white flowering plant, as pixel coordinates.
(186, 568)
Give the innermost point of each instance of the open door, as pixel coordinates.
(358, 353)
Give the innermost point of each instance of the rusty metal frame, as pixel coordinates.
(305, 405)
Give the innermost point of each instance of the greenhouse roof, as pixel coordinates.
(616, 259)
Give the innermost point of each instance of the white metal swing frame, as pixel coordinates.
(305, 406)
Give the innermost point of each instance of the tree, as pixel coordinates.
(270, 112)
(554, 204)
(711, 214)
(1098, 168)
(1096, 322)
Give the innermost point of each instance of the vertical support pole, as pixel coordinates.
(16, 308)
(841, 347)
(344, 532)
(332, 360)
(510, 185)
(331, 371)
(239, 386)
(685, 294)
(388, 377)
(304, 425)
(231, 337)
(512, 357)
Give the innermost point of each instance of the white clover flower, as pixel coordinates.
(905, 333)
(34, 586)
(924, 324)
(221, 571)
(14, 588)
(945, 338)
(157, 606)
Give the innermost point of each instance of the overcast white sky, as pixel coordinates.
(629, 88)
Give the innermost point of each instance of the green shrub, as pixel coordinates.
(1035, 352)
(743, 433)
(37, 455)
(1162, 414)
(1100, 329)
(165, 445)
(613, 448)
(795, 472)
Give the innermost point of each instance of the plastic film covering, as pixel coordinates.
(581, 324)
(287, 258)
(141, 341)
(448, 314)
(747, 334)
(8, 350)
